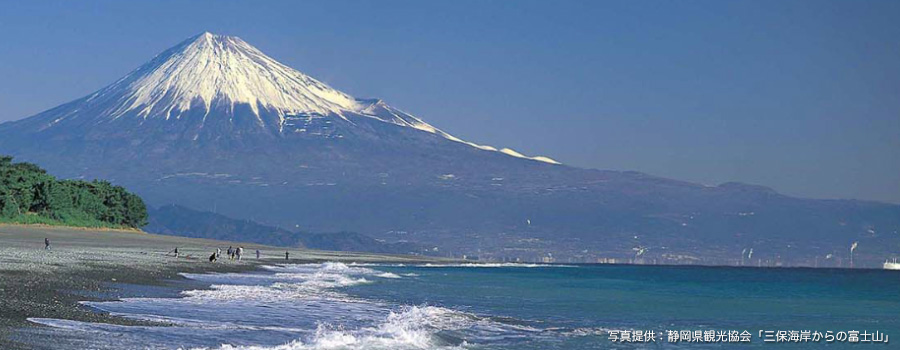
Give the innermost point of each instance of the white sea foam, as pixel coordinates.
(287, 282)
(322, 276)
(388, 275)
(473, 264)
(519, 265)
(327, 267)
(238, 305)
(412, 328)
(585, 332)
(61, 324)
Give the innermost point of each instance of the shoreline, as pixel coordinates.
(102, 265)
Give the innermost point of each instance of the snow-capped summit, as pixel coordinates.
(212, 86)
(209, 70)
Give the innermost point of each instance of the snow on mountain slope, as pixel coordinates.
(210, 78)
(211, 68)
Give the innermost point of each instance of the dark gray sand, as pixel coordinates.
(89, 265)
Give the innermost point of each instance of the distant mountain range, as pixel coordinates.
(180, 221)
(215, 124)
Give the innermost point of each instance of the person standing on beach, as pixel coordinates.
(218, 252)
(286, 255)
(46, 243)
(240, 253)
(230, 253)
(257, 254)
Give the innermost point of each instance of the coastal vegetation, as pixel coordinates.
(28, 195)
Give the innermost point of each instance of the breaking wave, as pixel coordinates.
(406, 327)
(473, 264)
(412, 328)
(519, 265)
(292, 307)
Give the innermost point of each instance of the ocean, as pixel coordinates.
(504, 306)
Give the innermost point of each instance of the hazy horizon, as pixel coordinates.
(799, 96)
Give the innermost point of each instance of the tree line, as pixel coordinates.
(29, 195)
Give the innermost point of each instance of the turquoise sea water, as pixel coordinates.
(338, 306)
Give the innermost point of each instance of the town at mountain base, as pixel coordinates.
(215, 125)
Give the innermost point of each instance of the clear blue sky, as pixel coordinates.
(802, 96)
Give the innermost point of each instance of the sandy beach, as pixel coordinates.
(85, 264)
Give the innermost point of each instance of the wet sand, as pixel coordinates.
(85, 264)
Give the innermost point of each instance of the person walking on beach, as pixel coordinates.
(286, 255)
(218, 253)
(46, 243)
(257, 254)
(240, 253)
(230, 253)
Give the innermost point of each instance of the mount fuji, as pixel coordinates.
(214, 124)
(211, 86)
